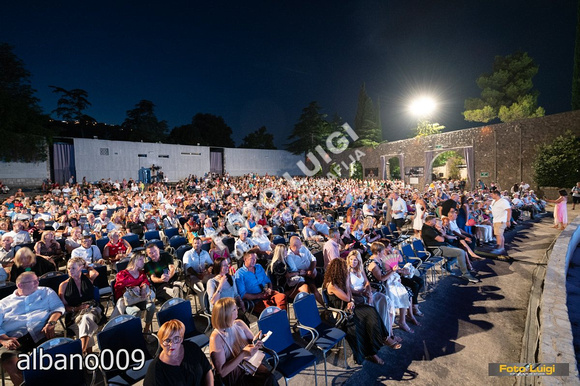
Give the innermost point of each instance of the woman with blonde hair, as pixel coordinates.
(363, 293)
(230, 343)
(25, 260)
(117, 248)
(78, 296)
(180, 362)
(49, 248)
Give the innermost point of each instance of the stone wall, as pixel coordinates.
(505, 151)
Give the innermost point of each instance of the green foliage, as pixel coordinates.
(442, 158)
(557, 164)
(395, 168)
(507, 93)
(204, 129)
(141, 124)
(22, 123)
(425, 128)
(356, 171)
(259, 139)
(366, 121)
(311, 130)
(72, 104)
(453, 168)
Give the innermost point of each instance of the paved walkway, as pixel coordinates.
(465, 327)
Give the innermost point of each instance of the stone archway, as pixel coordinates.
(465, 151)
(385, 165)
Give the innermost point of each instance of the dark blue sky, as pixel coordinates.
(260, 62)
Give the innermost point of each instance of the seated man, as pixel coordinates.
(74, 240)
(196, 263)
(19, 235)
(253, 284)
(321, 226)
(6, 250)
(161, 272)
(27, 317)
(432, 238)
(301, 262)
(90, 253)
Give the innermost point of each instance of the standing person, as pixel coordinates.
(502, 213)
(420, 211)
(560, 210)
(575, 195)
(180, 362)
(398, 210)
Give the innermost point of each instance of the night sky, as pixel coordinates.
(260, 63)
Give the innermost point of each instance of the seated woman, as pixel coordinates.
(78, 296)
(230, 343)
(219, 250)
(180, 362)
(134, 276)
(223, 285)
(25, 260)
(117, 248)
(49, 248)
(262, 241)
(362, 293)
(365, 333)
(378, 271)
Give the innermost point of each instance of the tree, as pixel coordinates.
(72, 104)
(204, 129)
(310, 131)
(22, 122)
(425, 128)
(557, 163)
(507, 93)
(576, 76)
(366, 122)
(141, 124)
(259, 139)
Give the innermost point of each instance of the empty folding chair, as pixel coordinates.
(124, 334)
(101, 243)
(52, 280)
(168, 233)
(41, 372)
(151, 235)
(292, 358)
(180, 309)
(321, 335)
(133, 240)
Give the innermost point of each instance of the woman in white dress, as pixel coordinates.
(420, 210)
(362, 292)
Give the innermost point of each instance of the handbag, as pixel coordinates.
(133, 296)
(91, 309)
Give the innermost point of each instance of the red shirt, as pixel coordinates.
(115, 249)
(124, 279)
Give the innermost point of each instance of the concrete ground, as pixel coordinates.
(465, 327)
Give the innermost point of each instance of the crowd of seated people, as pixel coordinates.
(235, 231)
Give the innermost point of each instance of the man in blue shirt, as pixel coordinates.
(253, 284)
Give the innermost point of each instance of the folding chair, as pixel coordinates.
(157, 242)
(102, 283)
(151, 235)
(180, 309)
(168, 233)
(72, 374)
(7, 288)
(321, 335)
(101, 243)
(52, 280)
(123, 333)
(133, 240)
(292, 359)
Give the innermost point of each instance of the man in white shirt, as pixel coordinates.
(27, 317)
(88, 252)
(301, 262)
(502, 213)
(196, 263)
(398, 210)
(320, 225)
(19, 235)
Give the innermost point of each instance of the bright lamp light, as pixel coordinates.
(422, 106)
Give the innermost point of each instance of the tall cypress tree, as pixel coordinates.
(366, 121)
